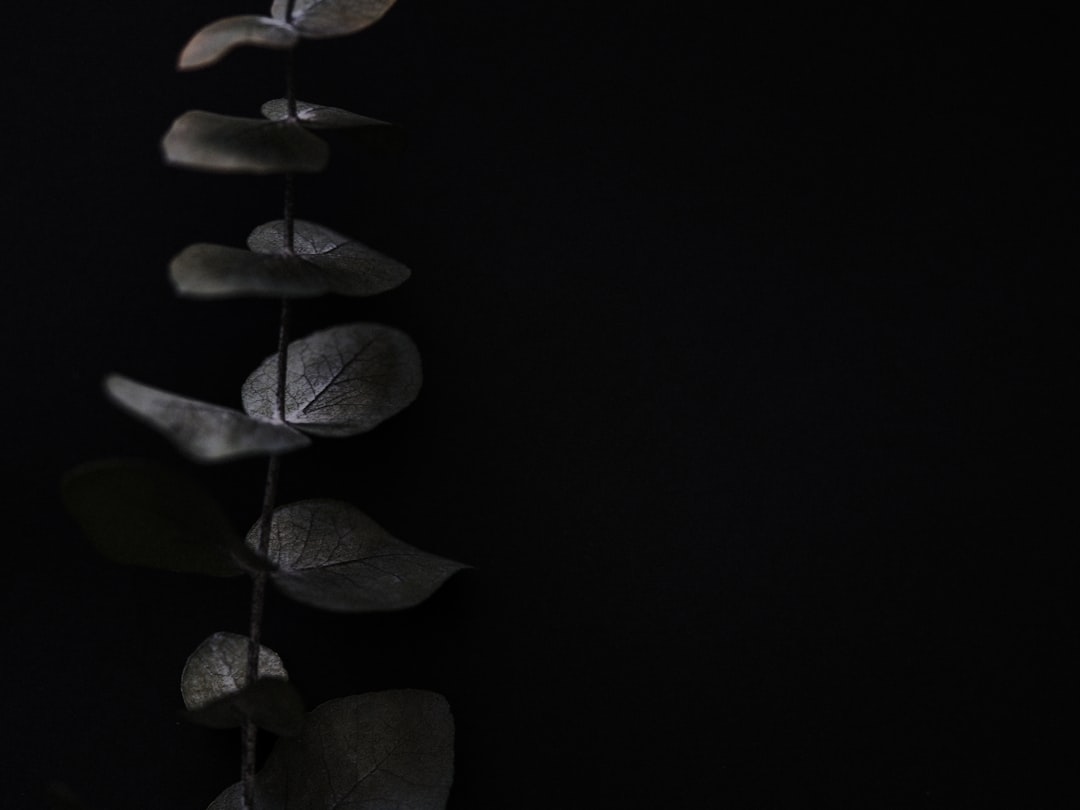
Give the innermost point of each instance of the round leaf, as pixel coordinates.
(216, 691)
(228, 144)
(379, 750)
(340, 381)
(202, 431)
(215, 40)
(316, 116)
(348, 267)
(319, 19)
(143, 513)
(330, 555)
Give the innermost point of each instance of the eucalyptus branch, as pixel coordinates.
(347, 380)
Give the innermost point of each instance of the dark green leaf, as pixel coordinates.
(143, 513)
(228, 144)
(390, 750)
(315, 116)
(202, 431)
(216, 692)
(340, 381)
(332, 18)
(215, 40)
(330, 555)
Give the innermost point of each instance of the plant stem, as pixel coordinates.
(250, 732)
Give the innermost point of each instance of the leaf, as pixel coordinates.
(217, 271)
(331, 18)
(143, 513)
(340, 381)
(330, 555)
(214, 41)
(216, 692)
(202, 431)
(348, 267)
(316, 116)
(382, 750)
(323, 262)
(224, 143)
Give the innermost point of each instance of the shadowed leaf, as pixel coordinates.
(340, 381)
(217, 271)
(213, 41)
(139, 512)
(315, 116)
(202, 431)
(228, 144)
(330, 555)
(323, 262)
(216, 692)
(332, 18)
(382, 750)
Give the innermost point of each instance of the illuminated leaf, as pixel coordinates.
(377, 751)
(202, 431)
(215, 40)
(330, 555)
(144, 513)
(348, 267)
(315, 116)
(217, 271)
(331, 18)
(216, 692)
(340, 381)
(228, 144)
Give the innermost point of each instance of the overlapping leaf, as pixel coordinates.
(316, 116)
(233, 145)
(322, 261)
(138, 512)
(392, 749)
(340, 381)
(331, 18)
(202, 431)
(330, 555)
(216, 692)
(212, 42)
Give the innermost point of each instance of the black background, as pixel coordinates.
(739, 335)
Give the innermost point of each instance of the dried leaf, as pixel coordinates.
(144, 513)
(216, 692)
(331, 18)
(224, 143)
(340, 381)
(202, 431)
(330, 555)
(392, 749)
(316, 116)
(215, 40)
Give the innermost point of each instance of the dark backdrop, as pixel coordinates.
(737, 332)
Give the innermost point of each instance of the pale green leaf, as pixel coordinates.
(340, 381)
(138, 512)
(390, 750)
(202, 431)
(232, 145)
(214, 41)
(218, 271)
(330, 555)
(331, 18)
